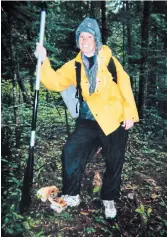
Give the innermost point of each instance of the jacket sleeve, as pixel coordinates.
(57, 80)
(123, 81)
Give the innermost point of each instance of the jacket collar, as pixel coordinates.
(104, 53)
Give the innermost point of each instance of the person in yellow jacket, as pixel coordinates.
(108, 110)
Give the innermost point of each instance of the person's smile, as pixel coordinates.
(87, 44)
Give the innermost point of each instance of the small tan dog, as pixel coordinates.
(50, 193)
(45, 192)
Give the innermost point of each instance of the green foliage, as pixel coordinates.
(146, 151)
(100, 219)
(90, 230)
(145, 213)
(65, 215)
(96, 189)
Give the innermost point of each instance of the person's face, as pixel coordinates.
(87, 43)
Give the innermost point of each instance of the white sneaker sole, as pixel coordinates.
(111, 216)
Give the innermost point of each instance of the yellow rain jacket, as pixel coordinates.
(110, 103)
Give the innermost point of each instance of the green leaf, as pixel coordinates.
(138, 210)
(100, 219)
(10, 231)
(37, 195)
(96, 189)
(162, 204)
(149, 210)
(39, 234)
(90, 230)
(26, 225)
(65, 215)
(142, 208)
(6, 220)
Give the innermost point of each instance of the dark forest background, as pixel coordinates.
(136, 31)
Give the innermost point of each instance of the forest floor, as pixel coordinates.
(142, 207)
(144, 178)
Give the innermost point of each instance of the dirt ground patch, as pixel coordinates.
(142, 208)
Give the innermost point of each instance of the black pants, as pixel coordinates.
(77, 151)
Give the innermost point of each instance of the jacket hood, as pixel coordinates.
(89, 25)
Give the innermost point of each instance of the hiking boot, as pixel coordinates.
(110, 210)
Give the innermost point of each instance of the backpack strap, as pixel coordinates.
(78, 81)
(112, 69)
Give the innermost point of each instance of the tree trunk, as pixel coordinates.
(129, 45)
(143, 79)
(123, 42)
(129, 36)
(103, 22)
(153, 75)
(26, 96)
(14, 82)
(95, 10)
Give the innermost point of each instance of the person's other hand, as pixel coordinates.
(40, 50)
(127, 124)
